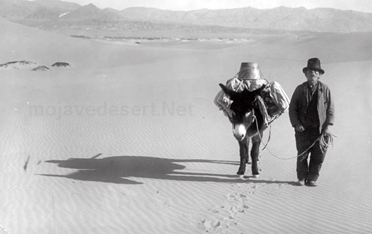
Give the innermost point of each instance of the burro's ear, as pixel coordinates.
(223, 87)
(228, 91)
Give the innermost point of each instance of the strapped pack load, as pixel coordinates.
(272, 101)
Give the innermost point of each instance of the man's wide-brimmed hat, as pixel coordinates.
(249, 71)
(314, 64)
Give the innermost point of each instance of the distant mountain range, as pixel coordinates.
(55, 14)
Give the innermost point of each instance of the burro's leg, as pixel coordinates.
(243, 149)
(255, 152)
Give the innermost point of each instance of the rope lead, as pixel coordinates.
(325, 141)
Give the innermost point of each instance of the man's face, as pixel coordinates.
(312, 75)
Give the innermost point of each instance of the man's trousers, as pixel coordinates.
(309, 171)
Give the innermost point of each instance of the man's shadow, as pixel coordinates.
(122, 170)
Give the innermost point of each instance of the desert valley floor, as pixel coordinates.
(128, 139)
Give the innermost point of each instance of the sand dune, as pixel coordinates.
(128, 139)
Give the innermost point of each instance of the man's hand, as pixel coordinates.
(326, 130)
(299, 128)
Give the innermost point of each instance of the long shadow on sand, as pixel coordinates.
(121, 170)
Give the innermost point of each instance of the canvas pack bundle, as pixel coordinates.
(273, 96)
(222, 100)
(275, 99)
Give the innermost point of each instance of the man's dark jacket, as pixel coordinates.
(300, 101)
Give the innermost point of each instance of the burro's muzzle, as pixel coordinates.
(240, 128)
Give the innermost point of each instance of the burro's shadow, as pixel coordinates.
(125, 170)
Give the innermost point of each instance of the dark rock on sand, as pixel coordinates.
(41, 68)
(17, 64)
(61, 64)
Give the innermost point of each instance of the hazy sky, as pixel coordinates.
(186, 5)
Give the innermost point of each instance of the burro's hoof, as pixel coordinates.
(256, 176)
(242, 177)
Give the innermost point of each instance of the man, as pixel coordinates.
(311, 112)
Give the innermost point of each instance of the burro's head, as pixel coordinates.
(243, 111)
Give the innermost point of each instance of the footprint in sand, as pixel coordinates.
(2, 230)
(224, 216)
(216, 226)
